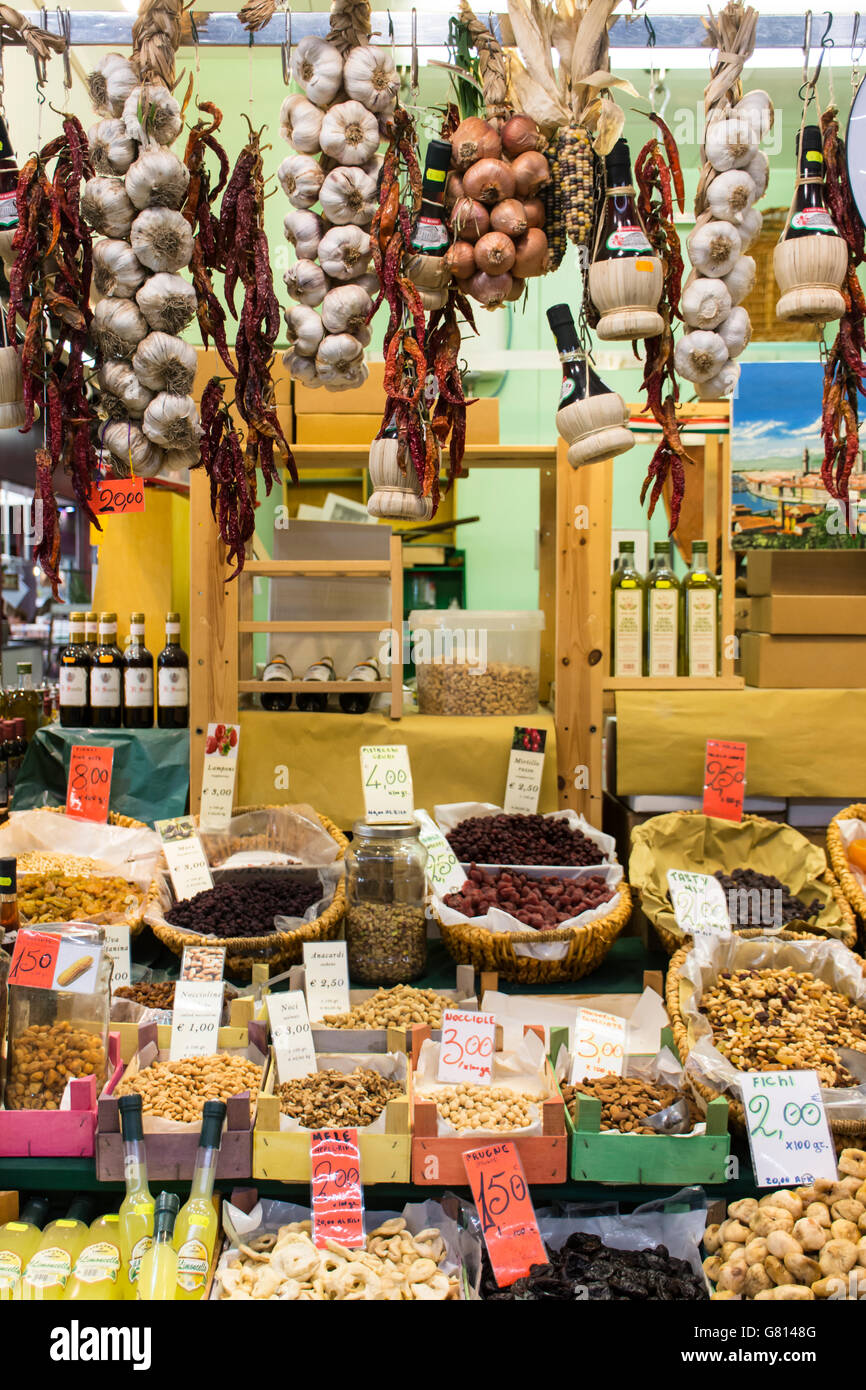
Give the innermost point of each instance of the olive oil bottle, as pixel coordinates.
(700, 609)
(627, 605)
(663, 615)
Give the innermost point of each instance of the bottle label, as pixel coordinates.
(192, 1265)
(628, 632)
(10, 1269)
(277, 671)
(8, 212)
(702, 632)
(319, 672)
(630, 238)
(663, 611)
(430, 236)
(174, 685)
(49, 1267)
(73, 685)
(138, 685)
(364, 671)
(97, 1263)
(105, 688)
(136, 1255)
(814, 220)
(568, 391)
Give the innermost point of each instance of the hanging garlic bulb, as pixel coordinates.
(722, 384)
(369, 76)
(117, 271)
(152, 116)
(300, 178)
(304, 231)
(370, 282)
(705, 303)
(350, 133)
(714, 246)
(736, 331)
(758, 170)
(129, 445)
(338, 354)
(749, 226)
(177, 460)
(730, 143)
(157, 179)
(344, 252)
(111, 150)
(317, 66)
(168, 302)
(111, 82)
(300, 123)
(302, 369)
(306, 282)
(699, 355)
(757, 108)
(172, 422)
(348, 195)
(106, 208)
(364, 334)
(741, 279)
(162, 239)
(118, 327)
(165, 363)
(731, 194)
(346, 308)
(304, 329)
(121, 392)
(345, 381)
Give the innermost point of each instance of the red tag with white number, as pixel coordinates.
(89, 786)
(724, 779)
(34, 959)
(468, 1040)
(505, 1211)
(337, 1195)
(118, 495)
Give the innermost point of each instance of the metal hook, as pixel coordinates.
(827, 42)
(286, 50)
(650, 31)
(807, 90)
(64, 23)
(413, 71)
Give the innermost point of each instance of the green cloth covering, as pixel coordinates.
(149, 776)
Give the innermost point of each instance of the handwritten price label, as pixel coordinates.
(444, 873)
(505, 1210)
(599, 1045)
(326, 965)
(525, 769)
(218, 775)
(117, 948)
(468, 1042)
(195, 1019)
(788, 1131)
(699, 904)
(291, 1035)
(386, 778)
(34, 959)
(337, 1195)
(88, 789)
(117, 495)
(185, 856)
(724, 779)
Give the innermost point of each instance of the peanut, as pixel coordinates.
(178, 1090)
(44, 1057)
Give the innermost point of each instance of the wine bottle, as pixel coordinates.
(809, 216)
(137, 678)
(9, 916)
(430, 235)
(277, 670)
(173, 668)
(91, 632)
(578, 378)
(18, 752)
(352, 702)
(106, 677)
(75, 677)
(319, 671)
(622, 232)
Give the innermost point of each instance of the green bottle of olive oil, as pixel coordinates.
(663, 615)
(700, 610)
(627, 605)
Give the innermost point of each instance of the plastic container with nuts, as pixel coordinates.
(476, 661)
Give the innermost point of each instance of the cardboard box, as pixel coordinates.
(482, 418)
(742, 613)
(335, 429)
(211, 364)
(789, 663)
(806, 572)
(819, 615)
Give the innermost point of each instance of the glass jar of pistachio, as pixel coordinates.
(386, 933)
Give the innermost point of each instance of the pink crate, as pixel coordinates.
(60, 1133)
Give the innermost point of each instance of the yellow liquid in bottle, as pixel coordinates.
(97, 1273)
(49, 1268)
(136, 1225)
(157, 1279)
(195, 1234)
(18, 1242)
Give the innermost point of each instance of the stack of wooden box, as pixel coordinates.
(807, 619)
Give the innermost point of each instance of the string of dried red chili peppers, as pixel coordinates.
(844, 369)
(658, 177)
(232, 488)
(49, 291)
(198, 211)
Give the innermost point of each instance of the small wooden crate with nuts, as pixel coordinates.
(242, 1011)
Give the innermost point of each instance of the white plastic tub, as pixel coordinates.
(471, 661)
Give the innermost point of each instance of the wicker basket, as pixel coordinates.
(470, 944)
(851, 1131)
(839, 859)
(761, 303)
(275, 947)
(151, 897)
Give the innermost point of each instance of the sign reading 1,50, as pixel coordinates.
(393, 777)
(496, 1196)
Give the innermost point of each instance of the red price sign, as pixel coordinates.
(505, 1210)
(117, 495)
(337, 1196)
(89, 785)
(468, 1040)
(34, 959)
(724, 779)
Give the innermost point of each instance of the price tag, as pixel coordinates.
(203, 963)
(218, 776)
(337, 1195)
(599, 1045)
(89, 786)
(185, 857)
(505, 1210)
(327, 978)
(724, 779)
(444, 873)
(468, 1043)
(386, 778)
(45, 960)
(117, 948)
(525, 767)
(699, 903)
(195, 1019)
(117, 495)
(291, 1034)
(788, 1132)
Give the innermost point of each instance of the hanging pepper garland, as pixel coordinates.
(844, 370)
(658, 177)
(198, 211)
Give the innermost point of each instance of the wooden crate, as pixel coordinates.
(647, 1160)
(234, 1034)
(392, 1039)
(61, 1133)
(284, 1155)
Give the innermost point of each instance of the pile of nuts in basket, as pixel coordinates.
(336, 1099)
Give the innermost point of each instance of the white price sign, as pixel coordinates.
(468, 1043)
(699, 904)
(291, 1034)
(525, 769)
(218, 775)
(327, 978)
(788, 1131)
(195, 1019)
(185, 857)
(599, 1045)
(386, 779)
(444, 873)
(117, 948)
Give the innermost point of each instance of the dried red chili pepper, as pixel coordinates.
(198, 211)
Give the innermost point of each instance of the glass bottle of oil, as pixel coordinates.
(157, 1279)
(700, 608)
(18, 1242)
(136, 1209)
(96, 1275)
(195, 1230)
(627, 605)
(663, 615)
(49, 1268)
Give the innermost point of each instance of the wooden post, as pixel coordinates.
(547, 575)
(213, 633)
(396, 552)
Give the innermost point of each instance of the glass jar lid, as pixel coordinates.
(402, 831)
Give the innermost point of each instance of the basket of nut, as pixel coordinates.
(846, 848)
(383, 1020)
(771, 875)
(752, 1002)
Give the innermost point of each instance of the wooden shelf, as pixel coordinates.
(314, 687)
(615, 683)
(341, 456)
(276, 569)
(312, 626)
